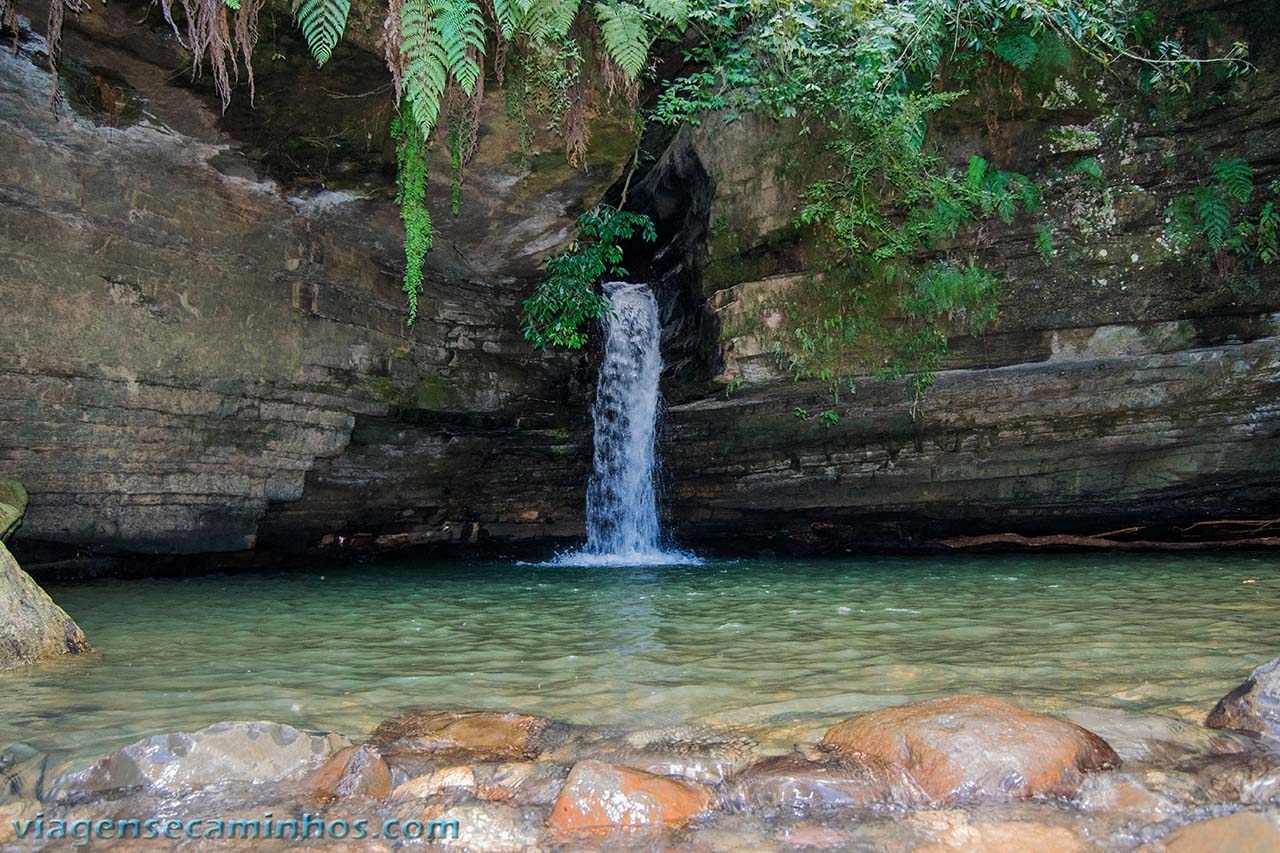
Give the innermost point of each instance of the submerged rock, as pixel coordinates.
(1152, 738)
(703, 756)
(1250, 777)
(224, 752)
(955, 831)
(599, 797)
(976, 748)
(1242, 832)
(355, 771)
(468, 735)
(835, 780)
(32, 627)
(13, 506)
(1252, 707)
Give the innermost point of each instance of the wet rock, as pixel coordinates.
(1152, 738)
(32, 627)
(1250, 777)
(355, 771)
(1252, 707)
(1242, 832)
(23, 771)
(800, 783)
(708, 757)
(490, 828)
(446, 778)
(976, 748)
(224, 752)
(1151, 793)
(468, 735)
(953, 830)
(13, 506)
(599, 797)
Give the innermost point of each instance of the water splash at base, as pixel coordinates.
(622, 500)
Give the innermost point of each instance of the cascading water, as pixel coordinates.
(622, 500)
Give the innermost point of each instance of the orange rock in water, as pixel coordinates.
(490, 735)
(976, 748)
(355, 771)
(598, 797)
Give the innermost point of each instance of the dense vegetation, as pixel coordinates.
(859, 83)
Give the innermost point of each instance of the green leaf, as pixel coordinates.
(1213, 215)
(1235, 177)
(1020, 50)
(626, 36)
(322, 23)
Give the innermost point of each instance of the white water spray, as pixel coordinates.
(622, 500)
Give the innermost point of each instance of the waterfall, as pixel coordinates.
(622, 498)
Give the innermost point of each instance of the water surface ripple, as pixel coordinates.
(783, 647)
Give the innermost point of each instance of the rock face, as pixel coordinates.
(221, 753)
(1252, 707)
(975, 748)
(32, 627)
(206, 351)
(599, 797)
(13, 505)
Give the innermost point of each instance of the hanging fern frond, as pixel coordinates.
(1020, 50)
(322, 23)
(1235, 177)
(459, 28)
(549, 20)
(626, 36)
(509, 15)
(411, 184)
(675, 12)
(1213, 215)
(426, 69)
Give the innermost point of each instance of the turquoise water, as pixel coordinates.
(779, 649)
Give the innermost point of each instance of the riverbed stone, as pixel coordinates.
(468, 735)
(976, 748)
(798, 782)
(957, 831)
(1153, 738)
(354, 771)
(32, 627)
(253, 752)
(460, 778)
(710, 757)
(1248, 777)
(13, 506)
(1242, 832)
(599, 797)
(1252, 707)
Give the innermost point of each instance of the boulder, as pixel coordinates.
(355, 771)
(703, 756)
(795, 781)
(1138, 737)
(32, 627)
(975, 748)
(599, 797)
(1252, 707)
(13, 506)
(461, 778)
(223, 752)
(1242, 832)
(468, 735)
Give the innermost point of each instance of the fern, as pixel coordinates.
(549, 20)
(426, 65)
(1235, 178)
(509, 15)
(322, 23)
(1213, 215)
(1020, 50)
(626, 36)
(460, 30)
(411, 182)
